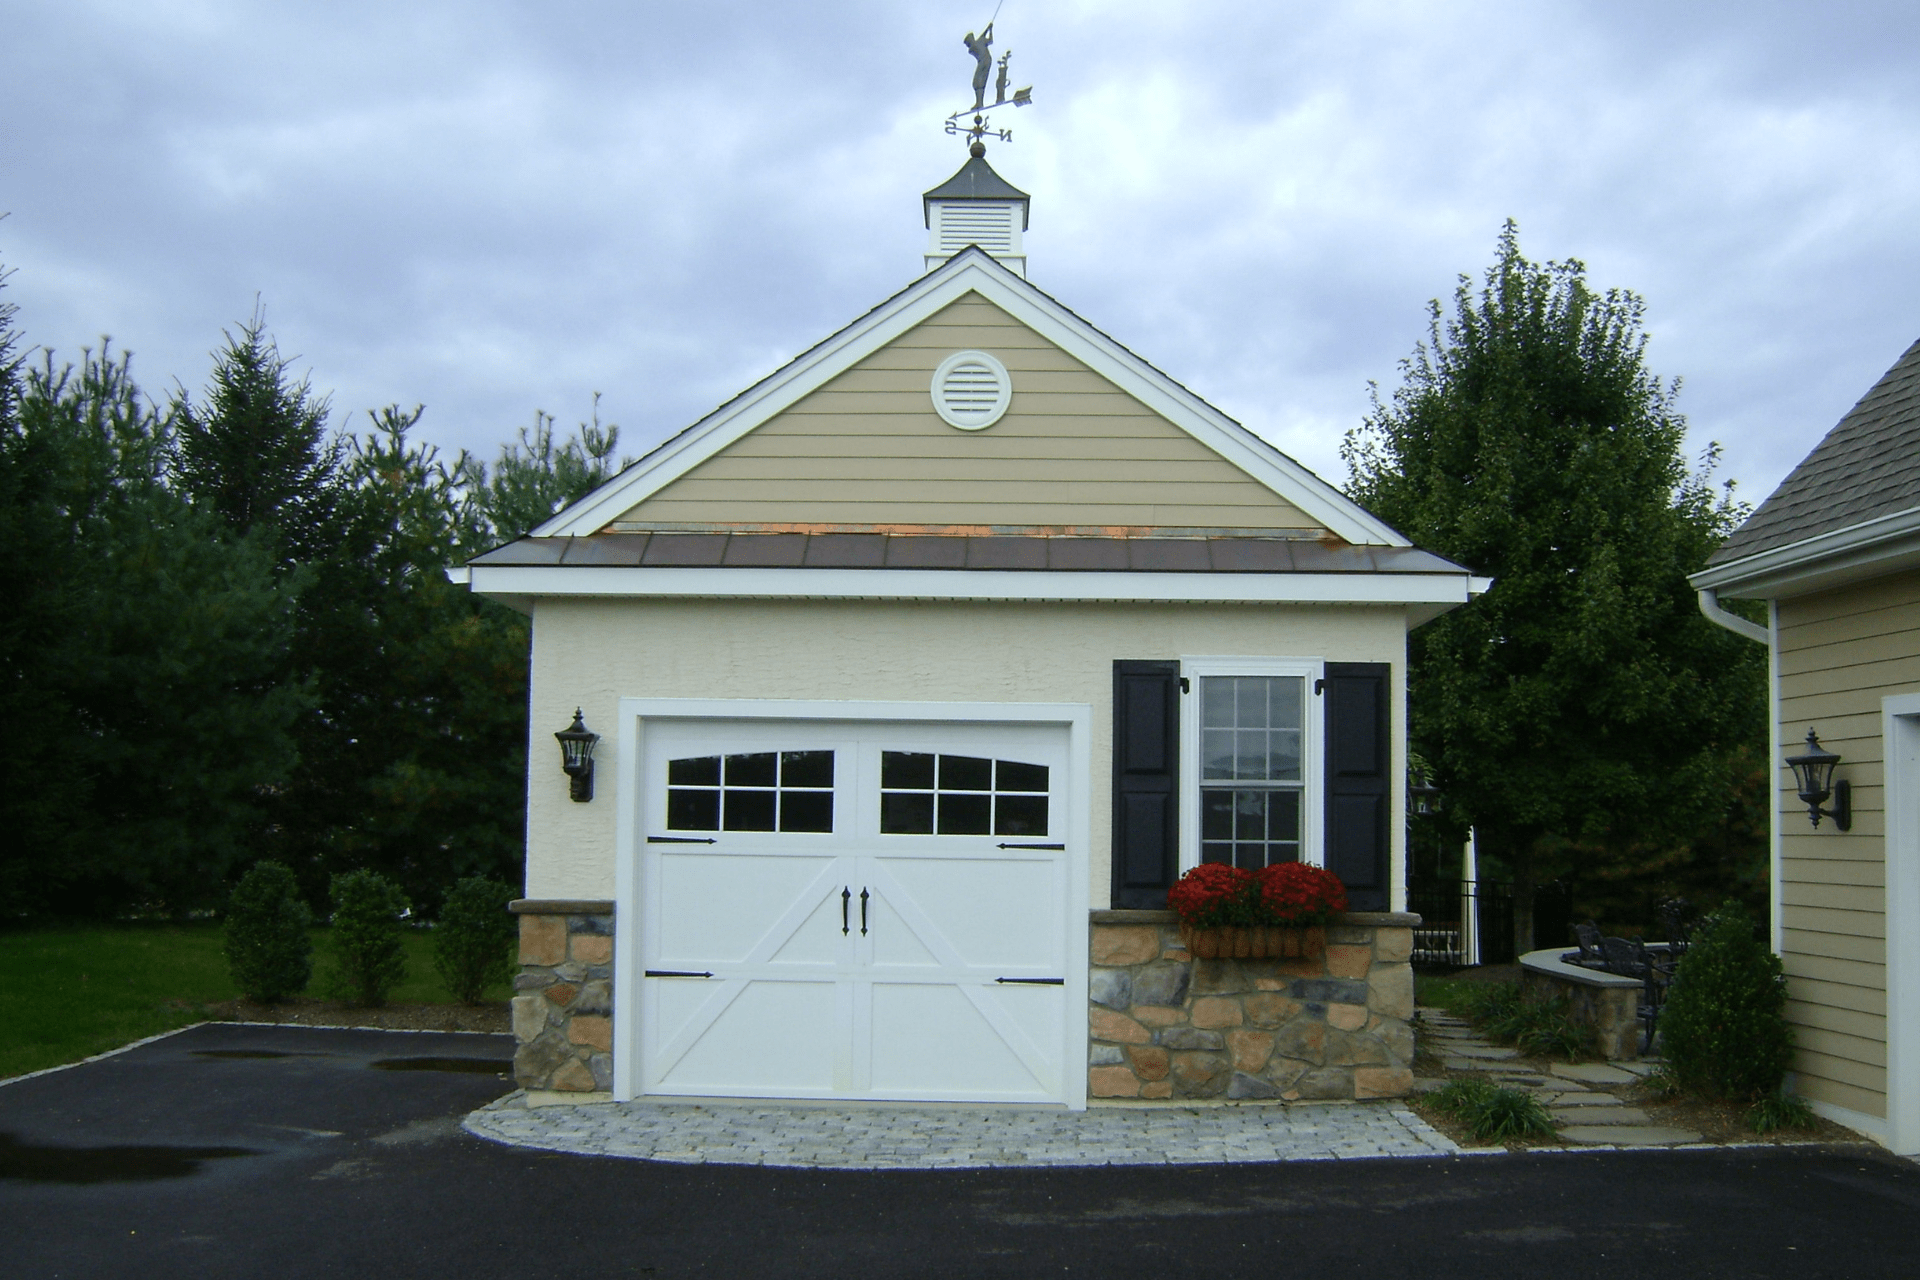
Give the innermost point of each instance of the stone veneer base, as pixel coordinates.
(563, 998)
(1162, 1024)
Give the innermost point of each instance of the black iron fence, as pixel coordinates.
(1444, 939)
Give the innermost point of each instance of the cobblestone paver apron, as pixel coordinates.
(961, 1136)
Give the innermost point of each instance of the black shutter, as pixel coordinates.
(1146, 782)
(1359, 785)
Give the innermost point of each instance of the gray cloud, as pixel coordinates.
(489, 207)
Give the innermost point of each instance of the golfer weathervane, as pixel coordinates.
(981, 47)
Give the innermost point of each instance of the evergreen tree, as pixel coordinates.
(142, 716)
(1581, 715)
(256, 450)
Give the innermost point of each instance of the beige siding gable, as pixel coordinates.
(867, 450)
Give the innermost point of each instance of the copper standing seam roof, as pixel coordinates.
(896, 551)
(1866, 467)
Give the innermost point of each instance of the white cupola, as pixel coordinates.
(977, 206)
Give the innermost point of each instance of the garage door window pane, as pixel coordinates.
(961, 795)
(751, 791)
(749, 810)
(689, 810)
(906, 813)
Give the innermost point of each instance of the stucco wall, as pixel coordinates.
(591, 653)
(868, 448)
(1840, 652)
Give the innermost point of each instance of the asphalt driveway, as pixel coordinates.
(285, 1151)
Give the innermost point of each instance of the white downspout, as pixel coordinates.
(1710, 606)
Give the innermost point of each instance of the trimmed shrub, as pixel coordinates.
(369, 958)
(268, 950)
(473, 939)
(1724, 1030)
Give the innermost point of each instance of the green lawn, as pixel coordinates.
(71, 992)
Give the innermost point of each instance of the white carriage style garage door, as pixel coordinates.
(867, 910)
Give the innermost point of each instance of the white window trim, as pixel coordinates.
(1312, 739)
(629, 764)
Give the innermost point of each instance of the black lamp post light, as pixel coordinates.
(1813, 772)
(576, 756)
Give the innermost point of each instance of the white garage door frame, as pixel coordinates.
(629, 762)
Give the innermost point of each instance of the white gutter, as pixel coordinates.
(1710, 605)
(459, 575)
(1859, 545)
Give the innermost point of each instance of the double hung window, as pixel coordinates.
(1251, 775)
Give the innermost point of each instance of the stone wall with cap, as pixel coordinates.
(563, 997)
(1162, 1024)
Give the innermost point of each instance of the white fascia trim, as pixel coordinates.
(1856, 546)
(971, 272)
(971, 584)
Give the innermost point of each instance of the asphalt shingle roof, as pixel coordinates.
(1867, 466)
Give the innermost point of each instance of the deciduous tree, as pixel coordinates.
(1581, 715)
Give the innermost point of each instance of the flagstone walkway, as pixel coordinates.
(1574, 1094)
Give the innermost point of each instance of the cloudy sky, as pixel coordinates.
(490, 207)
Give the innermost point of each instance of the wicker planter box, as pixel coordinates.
(1255, 942)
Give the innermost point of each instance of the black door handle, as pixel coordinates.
(863, 912)
(846, 896)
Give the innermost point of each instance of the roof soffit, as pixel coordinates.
(973, 271)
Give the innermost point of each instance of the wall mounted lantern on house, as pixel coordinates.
(576, 757)
(926, 655)
(1813, 775)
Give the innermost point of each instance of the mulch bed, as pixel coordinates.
(309, 1012)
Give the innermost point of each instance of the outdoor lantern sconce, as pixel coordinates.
(576, 756)
(1813, 772)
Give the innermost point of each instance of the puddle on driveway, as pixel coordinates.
(32, 1162)
(472, 1066)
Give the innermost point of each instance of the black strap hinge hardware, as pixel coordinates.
(1030, 846)
(1036, 982)
(677, 973)
(681, 840)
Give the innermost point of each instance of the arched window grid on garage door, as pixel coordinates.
(751, 791)
(922, 793)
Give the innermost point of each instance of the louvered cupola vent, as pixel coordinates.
(976, 206)
(971, 390)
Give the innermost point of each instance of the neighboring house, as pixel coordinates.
(1835, 553)
(964, 624)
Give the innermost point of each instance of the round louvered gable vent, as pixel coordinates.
(971, 390)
